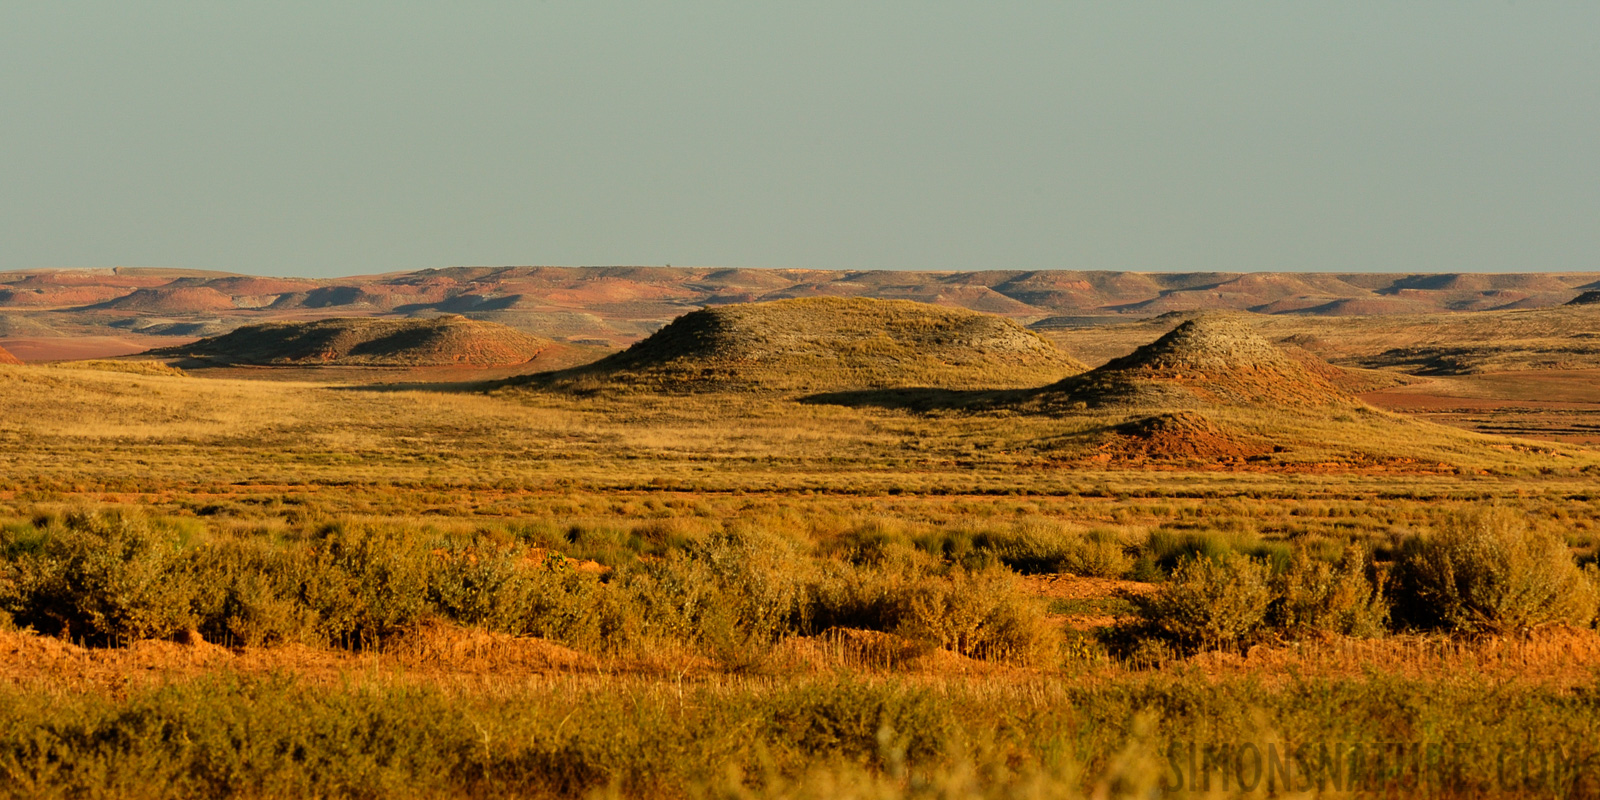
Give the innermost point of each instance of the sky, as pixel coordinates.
(327, 139)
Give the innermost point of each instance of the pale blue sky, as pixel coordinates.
(341, 138)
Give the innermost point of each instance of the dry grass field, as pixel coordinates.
(1210, 565)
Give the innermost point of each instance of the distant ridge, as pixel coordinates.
(825, 343)
(661, 293)
(441, 341)
(172, 300)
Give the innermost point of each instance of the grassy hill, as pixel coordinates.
(821, 344)
(1209, 360)
(441, 341)
(1213, 390)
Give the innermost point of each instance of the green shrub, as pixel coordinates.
(735, 593)
(1210, 602)
(984, 614)
(1316, 597)
(101, 578)
(1037, 546)
(1168, 548)
(1100, 556)
(482, 586)
(1485, 571)
(364, 581)
(845, 595)
(246, 594)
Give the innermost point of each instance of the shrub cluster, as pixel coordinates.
(1486, 572)
(733, 590)
(1035, 546)
(1479, 572)
(1233, 600)
(106, 579)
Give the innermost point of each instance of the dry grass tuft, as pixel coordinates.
(438, 645)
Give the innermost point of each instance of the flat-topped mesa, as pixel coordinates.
(7, 358)
(440, 341)
(824, 344)
(1213, 359)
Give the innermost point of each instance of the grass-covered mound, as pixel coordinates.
(822, 344)
(1210, 360)
(1213, 390)
(441, 341)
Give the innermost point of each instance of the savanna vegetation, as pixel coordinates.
(217, 587)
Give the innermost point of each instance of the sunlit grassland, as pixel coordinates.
(688, 569)
(822, 738)
(100, 429)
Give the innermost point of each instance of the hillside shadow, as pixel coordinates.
(922, 398)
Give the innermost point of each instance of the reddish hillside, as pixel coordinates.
(58, 296)
(7, 358)
(179, 300)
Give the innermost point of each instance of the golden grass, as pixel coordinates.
(623, 480)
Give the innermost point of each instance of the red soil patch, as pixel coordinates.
(1556, 405)
(7, 358)
(1182, 435)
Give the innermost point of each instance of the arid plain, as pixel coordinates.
(556, 532)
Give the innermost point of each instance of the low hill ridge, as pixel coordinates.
(7, 358)
(1212, 359)
(440, 341)
(825, 343)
